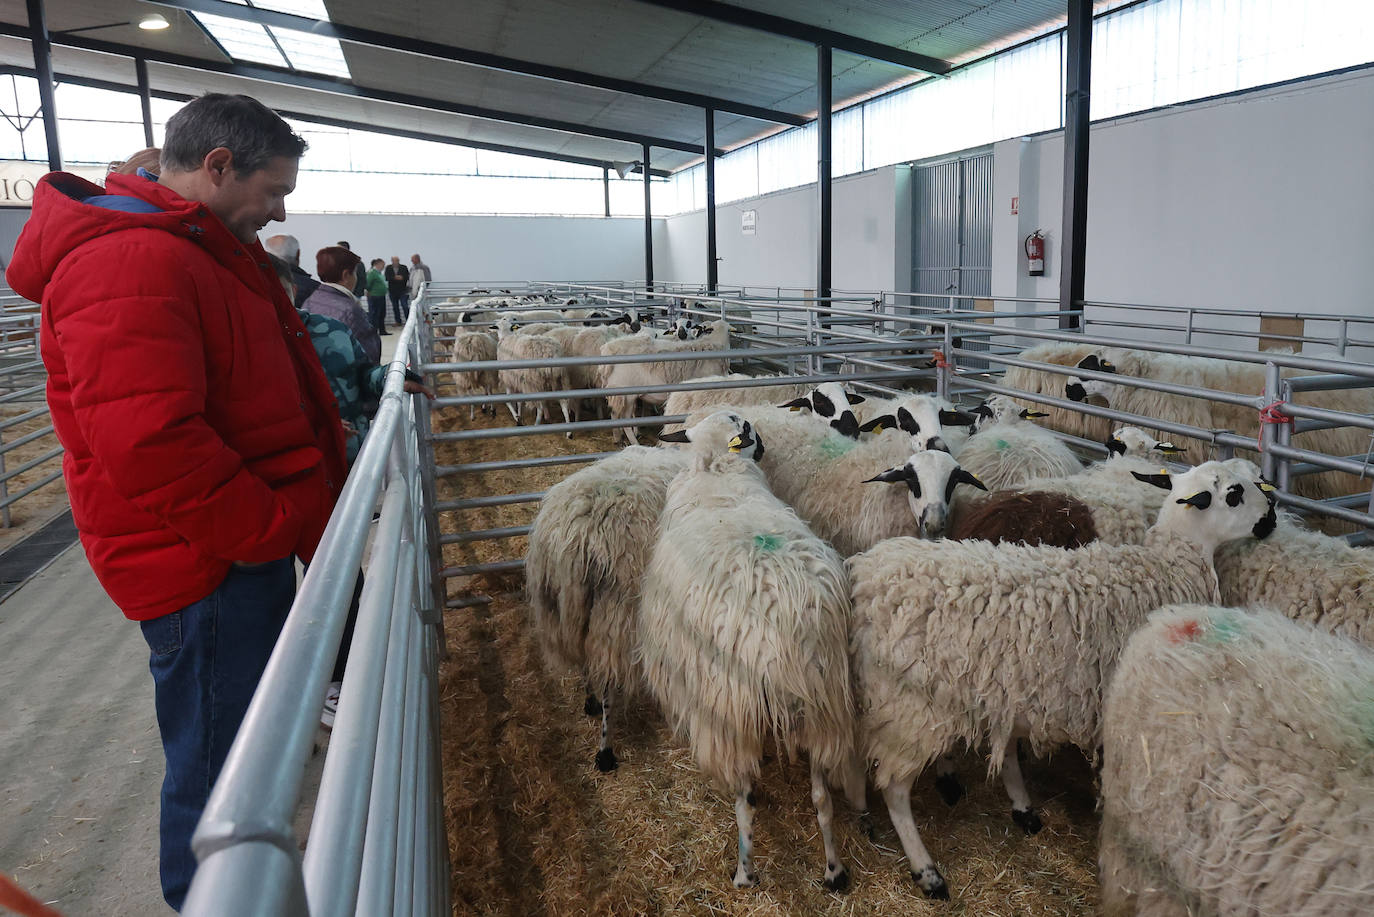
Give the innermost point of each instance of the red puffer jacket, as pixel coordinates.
(199, 428)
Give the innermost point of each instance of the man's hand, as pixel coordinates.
(348, 428)
(417, 388)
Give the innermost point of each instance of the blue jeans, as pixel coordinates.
(400, 306)
(206, 661)
(376, 310)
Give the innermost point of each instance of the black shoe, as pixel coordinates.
(385, 334)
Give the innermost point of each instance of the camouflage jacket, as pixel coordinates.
(356, 381)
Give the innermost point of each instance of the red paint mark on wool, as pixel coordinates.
(1183, 632)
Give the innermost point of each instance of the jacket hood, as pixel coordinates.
(62, 221)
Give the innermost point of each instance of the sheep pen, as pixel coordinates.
(535, 829)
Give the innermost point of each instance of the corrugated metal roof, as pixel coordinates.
(625, 39)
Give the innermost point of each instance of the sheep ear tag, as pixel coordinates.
(1266, 487)
(1161, 480)
(796, 404)
(736, 444)
(1200, 500)
(679, 437)
(879, 424)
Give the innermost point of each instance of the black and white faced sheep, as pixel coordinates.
(830, 402)
(969, 643)
(743, 633)
(930, 478)
(1238, 769)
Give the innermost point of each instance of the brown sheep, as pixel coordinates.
(1035, 518)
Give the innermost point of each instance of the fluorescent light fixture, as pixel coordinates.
(154, 22)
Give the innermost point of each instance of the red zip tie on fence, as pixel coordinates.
(1270, 414)
(939, 357)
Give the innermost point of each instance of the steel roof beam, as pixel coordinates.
(114, 86)
(372, 38)
(319, 83)
(791, 28)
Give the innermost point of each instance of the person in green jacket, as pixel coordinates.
(376, 296)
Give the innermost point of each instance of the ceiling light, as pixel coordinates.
(625, 168)
(154, 22)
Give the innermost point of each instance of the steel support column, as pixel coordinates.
(42, 65)
(1078, 79)
(648, 227)
(145, 97)
(823, 198)
(606, 187)
(708, 145)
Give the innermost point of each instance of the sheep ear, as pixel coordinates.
(1105, 367)
(1028, 414)
(891, 476)
(679, 437)
(956, 419)
(879, 424)
(1115, 446)
(1163, 480)
(855, 399)
(961, 476)
(796, 404)
(1168, 448)
(1090, 362)
(1200, 500)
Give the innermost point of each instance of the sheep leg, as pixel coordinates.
(516, 408)
(605, 756)
(856, 792)
(1021, 812)
(569, 413)
(946, 783)
(836, 878)
(591, 706)
(745, 877)
(923, 870)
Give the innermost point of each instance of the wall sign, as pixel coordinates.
(1015, 206)
(748, 222)
(18, 178)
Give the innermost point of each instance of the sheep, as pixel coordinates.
(965, 641)
(514, 346)
(743, 632)
(1033, 518)
(1009, 451)
(1200, 372)
(703, 401)
(1043, 382)
(934, 419)
(660, 372)
(588, 548)
(831, 403)
(472, 347)
(1307, 576)
(1237, 774)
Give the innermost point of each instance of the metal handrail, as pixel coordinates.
(376, 831)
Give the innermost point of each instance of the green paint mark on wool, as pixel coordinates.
(1002, 444)
(834, 446)
(768, 543)
(1226, 627)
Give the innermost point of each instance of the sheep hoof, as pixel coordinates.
(932, 883)
(949, 788)
(840, 883)
(1027, 820)
(744, 879)
(868, 826)
(605, 761)
(591, 706)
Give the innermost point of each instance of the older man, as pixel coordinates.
(419, 273)
(204, 451)
(288, 249)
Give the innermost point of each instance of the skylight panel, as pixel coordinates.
(281, 47)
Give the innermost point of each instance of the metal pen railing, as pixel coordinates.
(377, 843)
(22, 383)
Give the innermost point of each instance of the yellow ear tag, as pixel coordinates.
(735, 444)
(1267, 487)
(879, 428)
(794, 410)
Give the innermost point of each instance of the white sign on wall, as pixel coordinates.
(748, 222)
(18, 178)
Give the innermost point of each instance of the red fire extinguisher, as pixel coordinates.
(1035, 254)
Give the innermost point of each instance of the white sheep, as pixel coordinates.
(966, 642)
(588, 548)
(935, 420)
(830, 402)
(512, 345)
(660, 372)
(743, 628)
(705, 401)
(1238, 776)
(1008, 451)
(1305, 575)
(473, 347)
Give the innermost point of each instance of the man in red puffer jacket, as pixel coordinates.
(203, 446)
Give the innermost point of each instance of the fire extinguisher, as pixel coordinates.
(1035, 254)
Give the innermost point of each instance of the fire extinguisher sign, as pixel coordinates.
(1015, 206)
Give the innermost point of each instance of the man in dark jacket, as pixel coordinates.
(203, 448)
(398, 288)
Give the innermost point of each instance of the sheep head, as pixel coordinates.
(1215, 502)
(830, 402)
(930, 478)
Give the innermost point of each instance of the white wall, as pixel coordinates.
(1262, 201)
(871, 237)
(486, 247)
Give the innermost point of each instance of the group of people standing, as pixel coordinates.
(382, 281)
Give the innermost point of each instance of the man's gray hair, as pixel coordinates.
(244, 126)
(287, 248)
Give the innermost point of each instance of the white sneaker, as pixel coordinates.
(331, 705)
